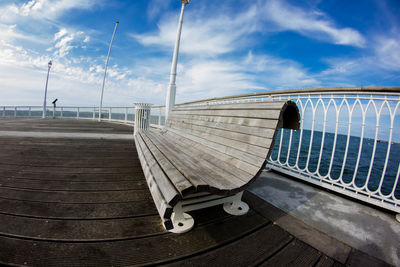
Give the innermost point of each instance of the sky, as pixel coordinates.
(228, 47)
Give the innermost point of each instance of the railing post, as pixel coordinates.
(4, 111)
(77, 113)
(62, 109)
(159, 116)
(54, 111)
(15, 112)
(29, 112)
(142, 117)
(109, 114)
(126, 114)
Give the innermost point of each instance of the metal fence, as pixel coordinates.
(114, 114)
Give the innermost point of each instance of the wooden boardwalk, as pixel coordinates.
(84, 201)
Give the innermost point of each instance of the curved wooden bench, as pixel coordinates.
(206, 155)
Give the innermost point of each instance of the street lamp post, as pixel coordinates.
(170, 102)
(45, 90)
(105, 69)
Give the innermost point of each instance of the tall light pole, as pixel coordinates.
(45, 89)
(170, 102)
(105, 69)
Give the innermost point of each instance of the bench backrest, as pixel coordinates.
(240, 135)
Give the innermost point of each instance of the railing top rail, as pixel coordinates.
(73, 107)
(8, 106)
(395, 90)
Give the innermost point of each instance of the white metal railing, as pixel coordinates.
(349, 141)
(116, 114)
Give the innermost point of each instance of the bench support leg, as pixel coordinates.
(237, 206)
(181, 221)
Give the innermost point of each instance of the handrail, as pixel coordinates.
(333, 90)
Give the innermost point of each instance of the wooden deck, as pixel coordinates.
(84, 201)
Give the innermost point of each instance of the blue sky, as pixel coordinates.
(228, 47)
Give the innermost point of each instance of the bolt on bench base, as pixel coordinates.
(183, 222)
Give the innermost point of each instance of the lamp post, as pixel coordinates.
(45, 89)
(105, 69)
(170, 102)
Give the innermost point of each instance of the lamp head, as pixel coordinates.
(50, 63)
(185, 2)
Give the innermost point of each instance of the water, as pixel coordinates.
(341, 165)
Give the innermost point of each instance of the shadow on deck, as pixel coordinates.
(84, 201)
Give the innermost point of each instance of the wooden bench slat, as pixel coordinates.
(226, 123)
(163, 208)
(198, 169)
(256, 151)
(249, 105)
(177, 179)
(190, 172)
(252, 160)
(245, 138)
(194, 150)
(166, 187)
(255, 113)
(239, 121)
(230, 163)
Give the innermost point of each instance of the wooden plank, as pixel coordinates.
(167, 189)
(247, 251)
(163, 208)
(181, 184)
(151, 250)
(250, 122)
(296, 253)
(75, 177)
(80, 230)
(77, 211)
(74, 197)
(189, 172)
(256, 151)
(252, 105)
(245, 138)
(70, 170)
(226, 162)
(191, 167)
(218, 123)
(325, 261)
(255, 113)
(255, 161)
(50, 185)
(209, 161)
(230, 160)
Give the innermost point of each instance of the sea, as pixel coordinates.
(342, 164)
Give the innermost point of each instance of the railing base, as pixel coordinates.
(398, 217)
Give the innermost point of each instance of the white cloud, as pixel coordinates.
(210, 36)
(312, 24)
(42, 9)
(387, 50)
(382, 60)
(60, 34)
(155, 7)
(10, 32)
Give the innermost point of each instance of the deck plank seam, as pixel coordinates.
(220, 245)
